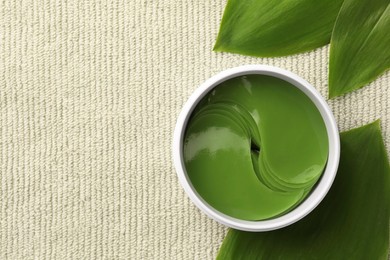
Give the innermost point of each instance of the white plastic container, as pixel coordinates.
(319, 191)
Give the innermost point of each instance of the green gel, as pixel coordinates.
(254, 147)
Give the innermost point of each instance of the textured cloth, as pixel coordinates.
(89, 95)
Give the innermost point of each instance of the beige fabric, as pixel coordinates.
(89, 95)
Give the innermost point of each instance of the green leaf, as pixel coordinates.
(276, 27)
(351, 223)
(360, 45)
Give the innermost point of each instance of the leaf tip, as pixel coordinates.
(333, 93)
(336, 91)
(376, 124)
(217, 46)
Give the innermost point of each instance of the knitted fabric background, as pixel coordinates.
(89, 95)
